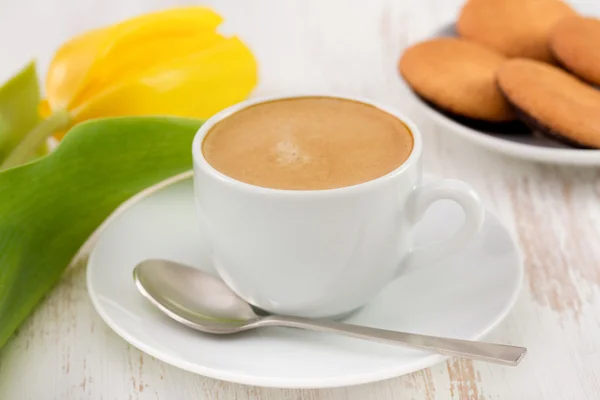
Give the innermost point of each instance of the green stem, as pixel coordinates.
(36, 138)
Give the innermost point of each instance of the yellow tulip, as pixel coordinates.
(171, 62)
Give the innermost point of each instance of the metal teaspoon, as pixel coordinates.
(204, 302)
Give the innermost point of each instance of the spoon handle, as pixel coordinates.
(489, 352)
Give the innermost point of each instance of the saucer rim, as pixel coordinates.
(274, 382)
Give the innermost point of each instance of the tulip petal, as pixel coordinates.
(195, 86)
(70, 67)
(145, 56)
(77, 62)
(173, 22)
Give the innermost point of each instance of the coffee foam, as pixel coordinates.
(308, 143)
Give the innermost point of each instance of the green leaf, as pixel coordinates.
(49, 207)
(19, 100)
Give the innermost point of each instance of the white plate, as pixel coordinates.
(514, 140)
(463, 297)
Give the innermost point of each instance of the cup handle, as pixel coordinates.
(421, 199)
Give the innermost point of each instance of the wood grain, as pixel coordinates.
(65, 351)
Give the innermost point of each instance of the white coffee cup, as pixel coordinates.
(322, 253)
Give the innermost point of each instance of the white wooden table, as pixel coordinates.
(65, 351)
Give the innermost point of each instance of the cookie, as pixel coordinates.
(515, 28)
(575, 43)
(552, 101)
(458, 77)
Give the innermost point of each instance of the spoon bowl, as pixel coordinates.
(194, 298)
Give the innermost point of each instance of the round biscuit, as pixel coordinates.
(552, 100)
(575, 42)
(515, 28)
(457, 76)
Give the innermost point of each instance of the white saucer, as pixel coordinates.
(463, 297)
(513, 140)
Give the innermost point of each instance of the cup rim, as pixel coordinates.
(201, 162)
